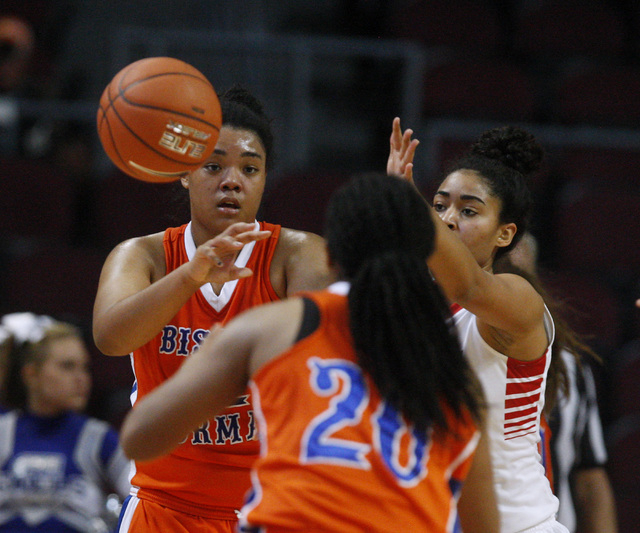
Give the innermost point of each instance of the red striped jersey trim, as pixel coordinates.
(522, 394)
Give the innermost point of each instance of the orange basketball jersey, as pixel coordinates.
(335, 457)
(208, 475)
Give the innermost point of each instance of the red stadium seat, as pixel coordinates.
(597, 229)
(592, 307)
(464, 25)
(623, 443)
(625, 376)
(593, 167)
(562, 29)
(488, 89)
(602, 95)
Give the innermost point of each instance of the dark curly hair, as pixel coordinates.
(242, 110)
(505, 158)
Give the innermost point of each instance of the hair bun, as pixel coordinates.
(512, 146)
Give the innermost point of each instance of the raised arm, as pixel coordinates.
(506, 304)
(402, 149)
(135, 299)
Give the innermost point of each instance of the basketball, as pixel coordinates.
(159, 118)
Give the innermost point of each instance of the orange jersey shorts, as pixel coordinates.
(143, 516)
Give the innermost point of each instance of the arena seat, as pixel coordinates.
(597, 94)
(462, 25)
(597, 229)
(489, 89)
(563, 29)
(54, 279)
(623, 443)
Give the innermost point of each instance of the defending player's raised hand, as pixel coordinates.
(401, 152)
(214, 260)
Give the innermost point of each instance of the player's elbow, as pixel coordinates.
(141, 443)
(134, 448)
(134, 442)
(107, 342)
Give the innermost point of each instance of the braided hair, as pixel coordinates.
(380, 233)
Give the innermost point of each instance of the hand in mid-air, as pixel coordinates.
(401, 151)
(214, 260)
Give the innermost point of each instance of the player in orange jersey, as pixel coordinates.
(369, 414)
(160, 294)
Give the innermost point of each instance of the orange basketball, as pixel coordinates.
(159, 118)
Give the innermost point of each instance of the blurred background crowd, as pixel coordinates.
(333, 74)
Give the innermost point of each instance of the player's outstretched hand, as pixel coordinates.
(214, 260)
(401, 151)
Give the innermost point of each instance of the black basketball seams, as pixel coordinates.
(140, 140)
(113, 143)
(121, 94)
(138, 123)
(111, 100)
(122, 91)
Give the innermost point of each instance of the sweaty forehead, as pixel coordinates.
(242, 140)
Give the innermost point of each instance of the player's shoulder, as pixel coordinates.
(145, 250)
(146, 244)
(299, 263)
(294, 239)
(303, 249)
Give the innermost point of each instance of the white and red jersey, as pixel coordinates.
(514, 391)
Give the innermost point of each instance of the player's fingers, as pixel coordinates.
(254, 235)
(243, 272)
(396, 134)
(411, 149)
(408, 173)
(406, 139)
(212, 255)
(238, 227)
